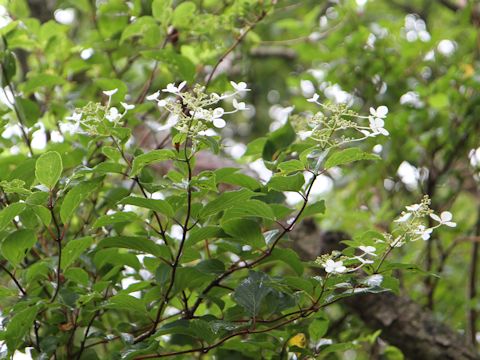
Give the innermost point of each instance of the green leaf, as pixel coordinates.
(74, 198)
(151, 157)
(126, 302)
(48, 169)
(74, 249)
(42, 80)
(17, 244)
(314, 209)
(287, 183)
(157, 205)
(19, 326)
(203, 233)
(77, 275)
(291, 166)
(347, 156)
(119, 217)
(251, 292)
(318, 328)
(245, 232)
(211, 266)
(9, 213)
(289, 257)
(162, 10)
(178, 64)
(277, 141)
(184, 14)
(137, 243)
(225, 201)
(254, 208)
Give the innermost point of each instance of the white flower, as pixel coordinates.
(373, 280)
(424, 232)
(240, 87)
(75, 117)
(238, 105)
(381, 112)
(218, 112)
(404, 217)
(444, 218)
(334, 267)
(171, 88)
(377, 126)
(314, 98)
(369, 250)
(113, 115)
(127, 106)
(153, 96)
(362, 260)
(161, 103)
(414, 207)
(109, 93)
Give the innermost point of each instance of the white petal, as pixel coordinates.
(127, 106)
(181, 86)
(110, 92)
(450, 224)
(219, 123)
(435, 217)
(382, 111)
(153, 96)
(373, 112)
(446, 216)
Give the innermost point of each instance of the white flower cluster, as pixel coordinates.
(412, 229)
(91, 115)
(324, 125)
(416, 211)
(194, 111)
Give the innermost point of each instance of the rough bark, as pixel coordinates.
(404, 323)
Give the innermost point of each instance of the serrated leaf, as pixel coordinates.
(157, 205)
(8, 214)
(74, 198)
(251, 292)
(151, 157)
(287, 183)
(347, 156)
(74, 249)
(254, 208)
(225, 201)
(48, 169)
(137, 243)
(17, 244)
(291, 166)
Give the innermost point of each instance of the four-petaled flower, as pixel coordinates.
(381, 112)
(444, 218)
(377, 126)
(314, 98)
(369, 250)
(424, 232)
(110, 93)
(240, 87)
(238, 105)
(171, 88)
(153, 96)
(334, 267)
(113, 115)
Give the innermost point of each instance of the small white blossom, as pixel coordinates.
(314, 98)
(238, 105)
(153, 96)
(444, 218)
(374, 280)
(404, 217)
(381, 112)
(110, 93)
(414, 207)
(171, 88)
(424, 232)
(161, 103)
(240, 87)
(127, 106)
(113, 115)
(369, 250)
(75, 117)
(377, 126)
(334, 267)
